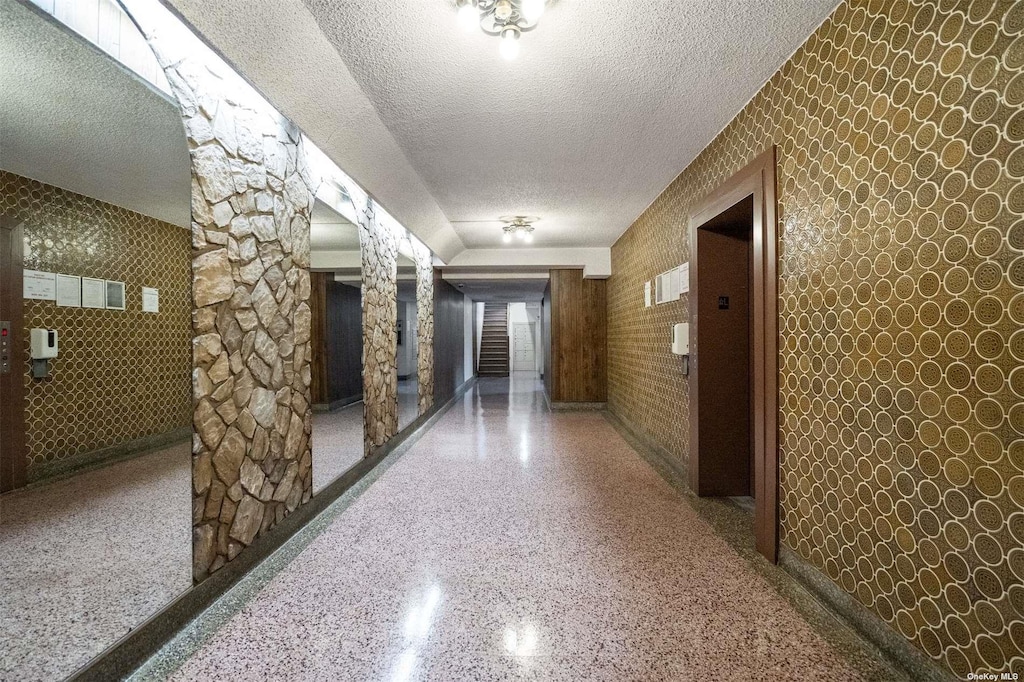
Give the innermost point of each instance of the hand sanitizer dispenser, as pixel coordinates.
(44, 344)
(43, 347)
(681, 339)
(681, 344)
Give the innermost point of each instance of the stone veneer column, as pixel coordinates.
(425, 325)
(251, 199)
(379, 248)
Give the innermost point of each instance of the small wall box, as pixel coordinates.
(43, 344)
(681, 339)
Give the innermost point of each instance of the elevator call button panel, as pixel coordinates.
(5, 347)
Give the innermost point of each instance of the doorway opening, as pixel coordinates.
(725, 310)
(734, 348)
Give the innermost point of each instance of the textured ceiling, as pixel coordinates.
(73, 117)
(278, 46)
(606, 104)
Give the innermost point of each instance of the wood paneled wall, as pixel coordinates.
(318, 335)
(545, 336)
(337, 341)
(449, 339)
(579, 330)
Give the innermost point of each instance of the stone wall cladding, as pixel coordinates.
(425, 325)
(251, 200)
(379, 250)
(252, 194)
(900, 134)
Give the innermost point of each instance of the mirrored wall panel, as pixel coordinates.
(408, 338)
(95, 512)
(337, 342)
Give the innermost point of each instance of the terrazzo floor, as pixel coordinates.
(408, 402)
(510, 542)
(337, 443)
(85, 559)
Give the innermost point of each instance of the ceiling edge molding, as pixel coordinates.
(278, 46)
(596, 262)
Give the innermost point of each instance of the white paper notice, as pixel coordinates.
(69, 291)
(684, 278)
(41, 286)
(150, 300)
(94, 293)
(115, 295)
(647, 294)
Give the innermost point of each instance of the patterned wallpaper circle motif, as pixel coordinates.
(901, 160)
(95, 398)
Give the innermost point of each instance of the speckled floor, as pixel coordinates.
(337, 443)
(86, 559)
(511, 543)
(408, 402)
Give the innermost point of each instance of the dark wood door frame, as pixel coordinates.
(757, 180)
(12, 385)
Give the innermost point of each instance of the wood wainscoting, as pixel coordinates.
(578, 370)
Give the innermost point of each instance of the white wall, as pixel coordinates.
(479, 308)
(467, 341)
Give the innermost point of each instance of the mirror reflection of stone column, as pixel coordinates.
(251, 199)
(379, 249)
(425, 325)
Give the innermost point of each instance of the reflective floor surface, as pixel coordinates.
(337, 443)
(408, 402)
(514, 543)
(86, 559)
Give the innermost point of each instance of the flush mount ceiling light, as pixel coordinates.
(505, 19)
(518, 227)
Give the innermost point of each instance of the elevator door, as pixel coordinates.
(12, 388)
(726, 354)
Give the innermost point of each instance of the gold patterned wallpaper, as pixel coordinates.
(900, 130)
(120, 375)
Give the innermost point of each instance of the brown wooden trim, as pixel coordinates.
(13, 454)
(318, 336)
(757, 180)
(578, 338)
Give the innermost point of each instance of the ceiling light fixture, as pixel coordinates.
(506, 19)
(518, 227)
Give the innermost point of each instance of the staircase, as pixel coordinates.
(494, 341)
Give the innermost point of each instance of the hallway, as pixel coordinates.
(511, 542)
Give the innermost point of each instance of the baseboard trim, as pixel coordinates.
(878, 637)
(561, 406)
(133, 650)
(336, 405)
(855, 615)
(640, 444)
(56, 470)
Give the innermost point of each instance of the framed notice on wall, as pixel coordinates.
(40, 286)
(115, 295)
(150, 300)
(69, 291)
(94, 293)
